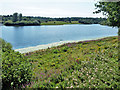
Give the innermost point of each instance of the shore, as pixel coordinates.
(48, 23)
(39, 47)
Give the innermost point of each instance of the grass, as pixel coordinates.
(59, 23)
(86, 64)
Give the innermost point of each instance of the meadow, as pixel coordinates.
(86, 64)
(59, 22)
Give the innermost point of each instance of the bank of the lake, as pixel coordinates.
(39, 47)
(43, 23)
(86, 64)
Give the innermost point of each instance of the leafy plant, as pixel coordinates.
(16, 70)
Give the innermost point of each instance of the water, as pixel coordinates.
(26, 36)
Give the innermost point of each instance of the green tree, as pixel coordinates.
(112, 11)
(20, 17)
(15, 17)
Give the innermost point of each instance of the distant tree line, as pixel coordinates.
(18, 19)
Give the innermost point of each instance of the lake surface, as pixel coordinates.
(26, 36)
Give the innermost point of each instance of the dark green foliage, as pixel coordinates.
(20, 17)
(111, 10)
(22, 23)
(16, 69)
(48, 20)
(15, 17)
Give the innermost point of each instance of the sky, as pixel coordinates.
(49, 8)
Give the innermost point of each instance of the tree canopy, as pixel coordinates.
(111, 10)
(14, 19)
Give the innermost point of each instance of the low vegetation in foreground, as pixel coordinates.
(16, 69)
(87, 64)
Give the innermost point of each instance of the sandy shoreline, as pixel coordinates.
(38, 47)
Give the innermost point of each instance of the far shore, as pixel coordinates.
(39, 47)
(49, 23)
(44, 24)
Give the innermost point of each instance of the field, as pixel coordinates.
(87, 64)
(59, 22)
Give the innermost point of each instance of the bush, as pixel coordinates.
(16, 70)
(22, 23)
(8, 22)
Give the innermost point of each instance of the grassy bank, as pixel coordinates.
(59, 22)
(36, 23)
(87, 64)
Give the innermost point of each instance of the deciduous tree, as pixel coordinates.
(15, 17)
(20, 17)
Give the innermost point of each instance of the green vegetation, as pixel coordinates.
(16, 20)
(59, 22)
(86, 64)
(112, 11)
(16, 69)
(21, 23)
(0, 61)
(15, 17)
(19, 20)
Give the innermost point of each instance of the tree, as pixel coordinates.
(15, 17)
(112, 11)
(39, 21)
(20, 17)
(69, 19)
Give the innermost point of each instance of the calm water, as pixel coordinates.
(26, 36)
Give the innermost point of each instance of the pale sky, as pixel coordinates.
(49, 8)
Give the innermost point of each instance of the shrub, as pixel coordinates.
(8, 22)
(16, 70)
(64, 49)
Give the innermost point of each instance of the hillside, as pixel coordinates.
(87, 64)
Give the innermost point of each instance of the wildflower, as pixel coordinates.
(71, 87)
(92, 78)
(111, 69)
(69, 45)
(42, 73)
